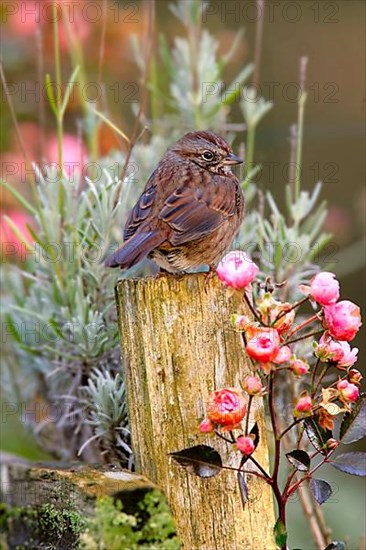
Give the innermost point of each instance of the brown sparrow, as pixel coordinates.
(190, 210)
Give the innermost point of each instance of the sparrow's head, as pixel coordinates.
(208, 150)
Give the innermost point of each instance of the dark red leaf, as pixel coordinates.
(317, 435)
(299, 459)
(353, 463)
(321, 490)
(200, 460)
(353, 425)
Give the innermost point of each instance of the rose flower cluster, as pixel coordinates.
(269, 334)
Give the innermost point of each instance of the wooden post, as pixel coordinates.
(178, 346)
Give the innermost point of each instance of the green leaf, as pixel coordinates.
(22, 200)
(50, 94)
(233, 91)
(280, 533)
(69, 88)
(353, 425)
(110, 124)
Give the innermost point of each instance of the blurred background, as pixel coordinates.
(126, 60)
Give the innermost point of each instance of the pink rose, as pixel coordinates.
(337, 352)
(324, 288)
(245, 444)
(226, 407)
(237, 270)
(264, 344)
(252, 385)
(299, 367)
(343, 320)
(355, 376)
(304, 404)
(347, 392)
(283, 355)
(206, 426)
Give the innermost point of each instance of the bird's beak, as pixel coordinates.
(232, 159)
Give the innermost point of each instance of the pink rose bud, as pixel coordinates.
(324, 288)
(245, 444)
(226, 407)
(355, 376)
(240, 322)
(299, 367)
(264, 344)
(284, 321)
(347, 392)
(336, 352)
(332, 444)
(237, 270)
(343, 320)
(252, 385)
(283, 356)
(304, 404)
(206, 426)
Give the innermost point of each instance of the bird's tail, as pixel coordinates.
(134, 250)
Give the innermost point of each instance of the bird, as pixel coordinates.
(189, 211)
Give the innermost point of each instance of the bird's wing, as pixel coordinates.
(141, 210)
(194, 212)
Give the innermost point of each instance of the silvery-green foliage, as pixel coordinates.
(66, 296)
(104, 399)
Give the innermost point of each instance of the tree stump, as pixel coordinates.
(178, 346)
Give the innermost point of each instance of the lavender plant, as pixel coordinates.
(62, 292)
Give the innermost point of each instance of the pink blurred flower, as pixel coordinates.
(245, 444)
(324, 288)
(339, 352)
(74, 155)
(252, 385)
(206, 426)
(22, 21)
(347, 392)
(12, 246)
(264, 344)
(237, 270)
(226, 407)
(343, 320)
(283, 355)
(299, 367)
(304, 404)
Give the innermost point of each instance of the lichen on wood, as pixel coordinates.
(178, 346)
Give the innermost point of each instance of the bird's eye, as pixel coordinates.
(207, 155)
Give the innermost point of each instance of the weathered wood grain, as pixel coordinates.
(177, 345)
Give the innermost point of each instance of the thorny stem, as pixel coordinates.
(315, 333)
(308, 475)
(304, 324)
(294, 306)
(265, 474)
(281, 503)
(313, 390)
(251, 307)
(248, 412)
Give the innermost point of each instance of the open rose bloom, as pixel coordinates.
(338, 352)
(263, 344)
(226, 407)
(343, 320)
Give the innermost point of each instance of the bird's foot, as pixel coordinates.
(210, 273)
